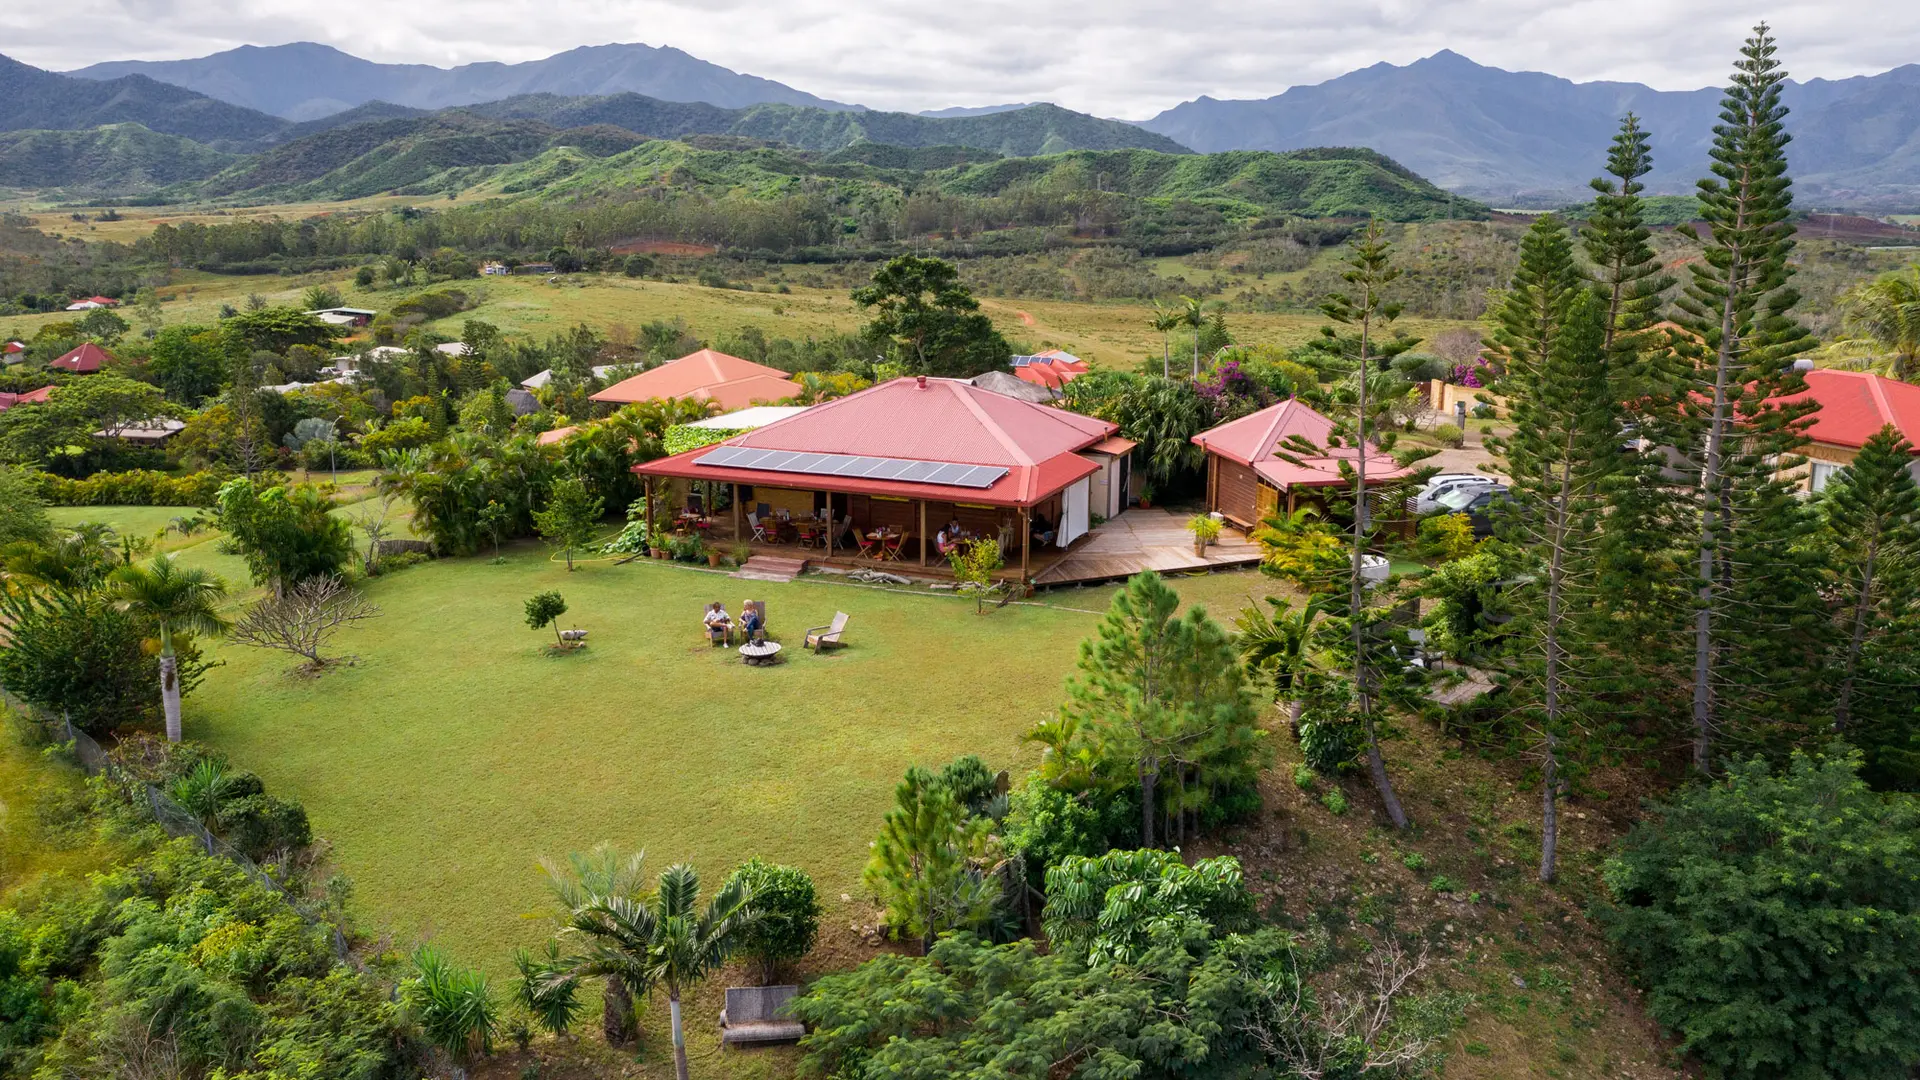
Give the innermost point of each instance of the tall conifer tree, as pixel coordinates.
(1551, 335)
(1752, 602)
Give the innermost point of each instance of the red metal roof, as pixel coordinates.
(1114, 445)
(15, 347)
(31, 397)
(1051, 369)
(729, 381)
(87, 358)
(1855, 405)
(932, 420)
(1265, 442)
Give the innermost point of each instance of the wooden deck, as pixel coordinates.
(1144, 540)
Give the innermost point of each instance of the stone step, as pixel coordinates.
(770, 568)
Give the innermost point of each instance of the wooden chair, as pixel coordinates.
(759, 530)
(869, 547)
(819, 637)
(890, 548)
(758, 607)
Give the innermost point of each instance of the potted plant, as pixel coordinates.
(1146, 496)
(1205, 529)
(714, 556)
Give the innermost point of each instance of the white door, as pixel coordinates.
(1073, 511)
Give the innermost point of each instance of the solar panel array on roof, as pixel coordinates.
(945, 474)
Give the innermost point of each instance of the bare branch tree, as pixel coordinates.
(301, 621)
(1353, 1030)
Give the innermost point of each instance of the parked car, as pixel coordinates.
(1475, 501)
(1428, 500)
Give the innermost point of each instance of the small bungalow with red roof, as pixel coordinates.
(84, 360)
(14, 351)
(707, 375)
(93, 302)
(1854, 406)
(888, 466)
(1271, 459)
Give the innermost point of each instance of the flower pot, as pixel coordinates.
(713, 559)
(1199, 548)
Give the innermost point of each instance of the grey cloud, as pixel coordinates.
(1117, 58)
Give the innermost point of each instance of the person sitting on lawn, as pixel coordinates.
(718, 624)
(750, 624)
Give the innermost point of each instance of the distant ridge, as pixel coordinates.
(972, 110)
(307, 81)
(32, 99)
(1526, 138)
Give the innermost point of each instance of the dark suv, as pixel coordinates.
(1475, 502)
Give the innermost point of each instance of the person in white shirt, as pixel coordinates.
(718, 625)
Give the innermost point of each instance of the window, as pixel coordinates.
(1822, 472)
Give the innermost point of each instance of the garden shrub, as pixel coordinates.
(1449, 435)
(789, 920)
(1045, 825)
(138, 487)
(1775, 920)
(437, 304)
(260, 825)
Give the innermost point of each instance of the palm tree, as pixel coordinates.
(666, 938)
(598, 878)
(1883, 316)
(1166, 322)
(178, 600)
(1277, 645)
(1192, 317)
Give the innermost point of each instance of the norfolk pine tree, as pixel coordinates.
(1741, 335)
(1873, 511)
(1550, 333)
(1369, 271)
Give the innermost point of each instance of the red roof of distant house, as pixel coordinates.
(1052, 368)
(83, 360)
(15, 347)
(1855, 405)
(729, 381)
(944, 420)
(31, 397)
(1270, 442)
(559, 434)
(107, 300)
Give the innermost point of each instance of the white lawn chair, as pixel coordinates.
(819, 637)
(759, 530)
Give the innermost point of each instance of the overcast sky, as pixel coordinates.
(1126, 58)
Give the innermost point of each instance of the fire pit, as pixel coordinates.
(760, 654)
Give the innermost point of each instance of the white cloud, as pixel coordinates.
(1115, 58)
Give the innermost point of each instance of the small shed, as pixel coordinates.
(1267, 461)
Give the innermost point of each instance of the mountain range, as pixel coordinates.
(306, 81)
(1526, 138)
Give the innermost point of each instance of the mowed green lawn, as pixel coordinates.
(455, 753)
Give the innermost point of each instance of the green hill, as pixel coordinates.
(367, 159)
(114, 159)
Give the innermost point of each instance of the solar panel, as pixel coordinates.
(902, 470)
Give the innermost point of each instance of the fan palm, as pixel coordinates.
(665, 939)
(179, 600)
(1883, 316)
(1190, 315)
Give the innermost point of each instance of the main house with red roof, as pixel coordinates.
(1854, 406)
(83, 360)
(727, 381)
(912, 454)
(1273, 458)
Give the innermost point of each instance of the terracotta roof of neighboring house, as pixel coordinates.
(559, 434)
(1114, 445)
(1269, 441)
(930, 420)
(728, 381)
(85, 359)
(1052, 369)
(15, 347)
(1004, 382)
(1855, 405)
(34, 397)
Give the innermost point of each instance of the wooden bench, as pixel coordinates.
(752, 1015)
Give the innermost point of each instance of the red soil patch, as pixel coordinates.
(1025, 319)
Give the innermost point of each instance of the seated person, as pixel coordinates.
(947, 540)
(1043, 531)
(718, 624)
(750, 624)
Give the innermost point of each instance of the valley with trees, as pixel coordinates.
(1558, 715)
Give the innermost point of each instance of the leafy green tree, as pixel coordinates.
(85, 656)
(1756, 597)
(922, 308)
(59, 434)
(320, 297)
(1550, 337)
(544, 609)
(1192, 316)
(1883, 320)
(789, 914)
(177, 600)
(286, 534)
(667, 939)
(23, 513)
(927, 867)
(1369, 271)
(487, 410)
(547, 990)
(189, 362)
(454, 1006)
(104, 325)
(571, 517)
(1872, 509)
(1115, 908)
(1775, 921)
(1159, 698)
(276, 329)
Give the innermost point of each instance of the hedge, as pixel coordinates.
(138, 487)
(681, 438)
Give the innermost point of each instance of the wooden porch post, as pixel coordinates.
(830, 529)
(923, 532)
(737, 538)
(1026, 541)
(647, 492)
(1289, 500)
